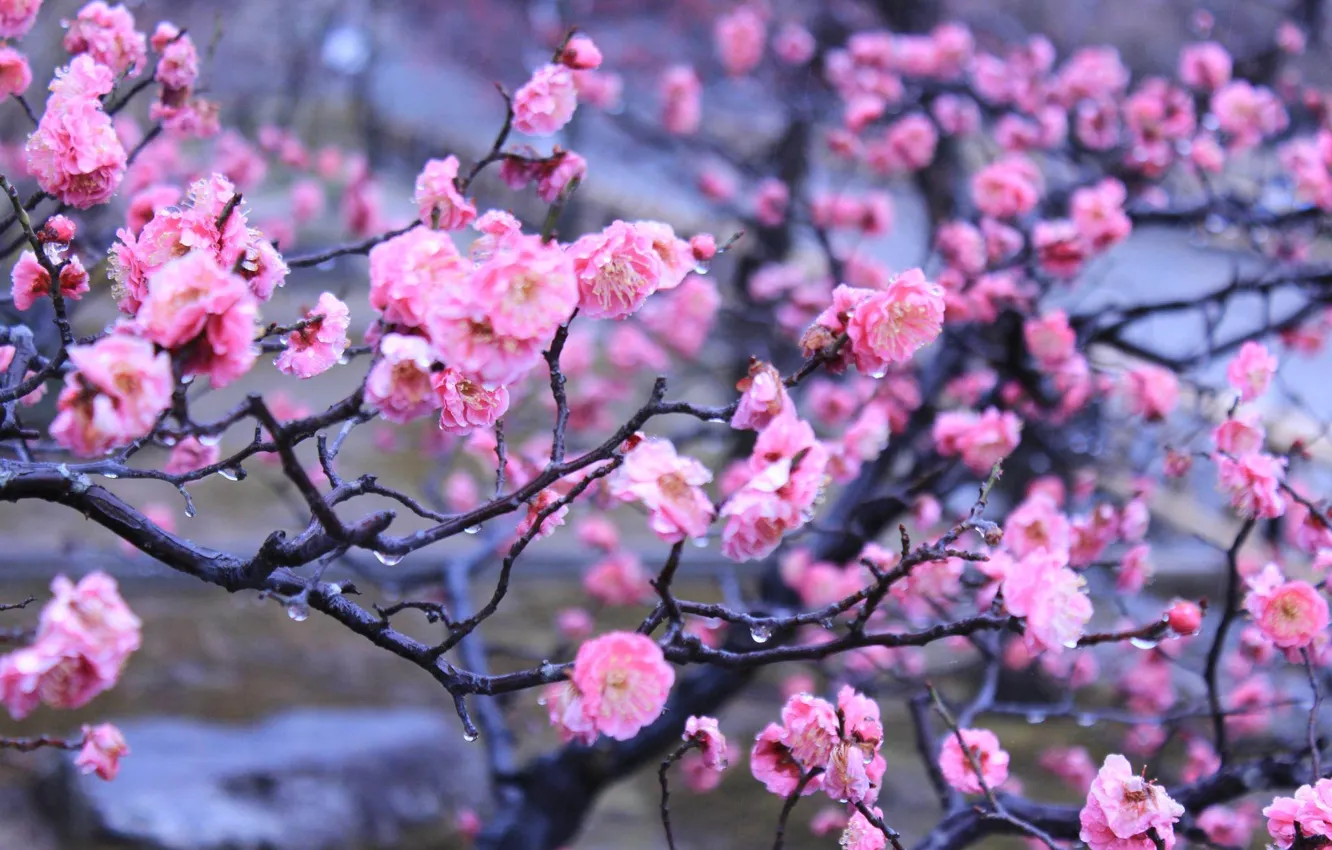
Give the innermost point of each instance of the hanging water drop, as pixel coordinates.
(1086, 720)
(827, 623)
(700, 542)
(229, 473)
(209, 439)
(344, 360)
(387, 559)
(1143, 643)
(113, 476)
(168, 440)
(1035, 718)
(470, 736)
(334, 589)
(1071, 644)
(703, 267)
(189, 511)
(760, 634)
(472, 529)
(298, 611)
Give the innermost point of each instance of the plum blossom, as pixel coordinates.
(618, 579)
(103, 748)
(315, 348)
(1052, 598)
(670, 486)
(1253, 483)
(107, 34)
(739, 36)
(623, 680)
(118, 389)
(400, 384)
(889, 327)
(763, 397)
(1122, 808)
(1007, 188)
(1291, 614)
(466, 404)
(984, 748)
(17, 17)
(681, 91)
(711, 742)
(1250, 372)
(31, 282)
(787, 473)
(617, 269)
(74, 153)
(15, 75)
(981, 439)
(1151, 391)
(1204, 66)
(438, 201)
(546, 102)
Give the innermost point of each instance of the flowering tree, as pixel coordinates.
(864, 398)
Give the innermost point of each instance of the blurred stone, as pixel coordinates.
(313, 779)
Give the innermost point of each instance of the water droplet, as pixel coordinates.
(1086, 720)
(541, 700)
(344, 360)
(187, 379)
(189, 511)
(1035, 717)
(1214, 223)
(1143, 643)
(229, 474)
(760, 634)
(209, 439)
(113, 476)
(472, 529)
(703, 267)
(388, 560)
(471, 736)
(827, 623)
(298, 611)
(1071, 644)
(168, 440)
(325, 266)
(878, 373)
(700, 542)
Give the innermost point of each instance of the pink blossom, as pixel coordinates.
(15, 75)
(624, 681)
(178, 66)
(1122, 807)
(118, 390)
(103, 747)
(1073, 765)
(438, 201)
(957, 115)
(1098, 212)
(1248, 113)
(412, 274)
(962, 247)
(1092, 73)
(17, 17)
(191, 454)
(581, 54)
(546, 102)
(31, 281)
(1152, 391)
(146, 203)
(1135, 569)
(681, 91)
(566, 709)
(74, 153)
(1184, 617)
(599, 532)
(891, 326)
(400, 384)
(770, 202)
(670, 486)
(618, 579)
(908, 145)
(711, 742)
(861, 834)
(793, 44)
(107, 34)
(1037, 523)
(193, 302)
(1060, 247)
(1291, 613)
(617, 269)
(1204, 66)
(1240, 435)
(1007, 188)
(982, 439)
(1253, 483)
(984, 747)
(314, 348)
(1052, 598)
(772, 763)
(560, 172)
(683, 318)
(763, 397)
(465, 403)
(739, 37)
(787, 471)
(812, 728)
(1050, 339)
(1251, 370)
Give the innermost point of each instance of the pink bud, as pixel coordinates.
(581, 54)
(1185, 617)
(704, 247)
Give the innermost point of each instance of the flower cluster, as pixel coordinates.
(834, 748)
(1126, 812)
(75, 153)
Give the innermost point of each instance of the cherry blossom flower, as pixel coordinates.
(1006, 188)
(316, 347)
(1152, 391)
(1239, 435)
(15, 75)
(103, 748)
(624, 681)
(31, 282)
(17, 17)
(957, 767)
(1051, 596)
(1204, 66)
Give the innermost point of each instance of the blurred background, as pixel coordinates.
(340, 744)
